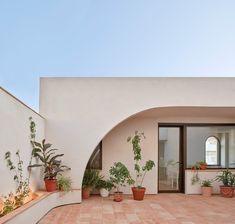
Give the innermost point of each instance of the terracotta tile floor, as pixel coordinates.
(161, 208)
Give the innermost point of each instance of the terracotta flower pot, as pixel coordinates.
(50, 184)
(227, 192)
(118, 196)
(207, 191)
(203, 166)
(138, 193)
(86, 191)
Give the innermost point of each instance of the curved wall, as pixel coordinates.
(81, 111)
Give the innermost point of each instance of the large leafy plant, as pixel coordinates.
(139, 170)
(227, 178)
(49, 159)
(120, 176)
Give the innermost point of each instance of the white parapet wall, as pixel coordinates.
(203, 174)
(15, 135)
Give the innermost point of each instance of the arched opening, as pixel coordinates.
(189, 119)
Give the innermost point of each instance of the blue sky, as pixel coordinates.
(113, 38)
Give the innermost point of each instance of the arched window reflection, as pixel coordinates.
(212, 151)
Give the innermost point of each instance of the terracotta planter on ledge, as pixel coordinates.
(50, 184)
(118, 196)
(138, 193)
(203, 166)
(227, 192)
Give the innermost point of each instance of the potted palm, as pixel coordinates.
(104, 187)
(228, 180)
(49, 161)
(119, 176)
(138, 190)
(90, 179)
(206, 186)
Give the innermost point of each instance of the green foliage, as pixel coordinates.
(227, 178)
(195, 178)
(64, 183)
(90, 178)
(22, 189)
(32, 130)
(140, 172)
(119, 175)
(8, 205)
(49, 159)
(206, 183)
(106, 184)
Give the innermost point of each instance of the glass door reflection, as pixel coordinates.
(169, 159)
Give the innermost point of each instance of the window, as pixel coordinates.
(212, 151)
(95, 161)
(214, 144)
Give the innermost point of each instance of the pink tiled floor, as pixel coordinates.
(162, 208)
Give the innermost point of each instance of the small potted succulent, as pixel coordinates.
(228, 180)
(64, 183)
(206, 186)
(119, 176)
(104, 187)
(90, 179)
(49, 161)
(138, 190)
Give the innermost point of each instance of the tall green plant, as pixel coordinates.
(139, 170)
(120, 176)
(49, 159)
(22, 189)
(227, 178)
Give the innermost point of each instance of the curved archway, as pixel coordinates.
(168, 114)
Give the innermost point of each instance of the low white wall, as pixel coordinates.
(15, 134)
(203, 174)
(33, 213)
(116, 148)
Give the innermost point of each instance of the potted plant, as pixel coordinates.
(206, 186)
(138, 190)
(64, 183)
(202, 165)
(119, 176)
(49, 161)
(90, 179)
(104, 186)
(228, 180)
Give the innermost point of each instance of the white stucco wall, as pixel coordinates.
(116, 148)
(81, 111)
(15, 134)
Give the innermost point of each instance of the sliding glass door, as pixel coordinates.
(170, 159)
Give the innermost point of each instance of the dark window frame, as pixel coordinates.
(185, 125)
(218, 152)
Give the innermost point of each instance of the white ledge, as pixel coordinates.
(33, 211)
